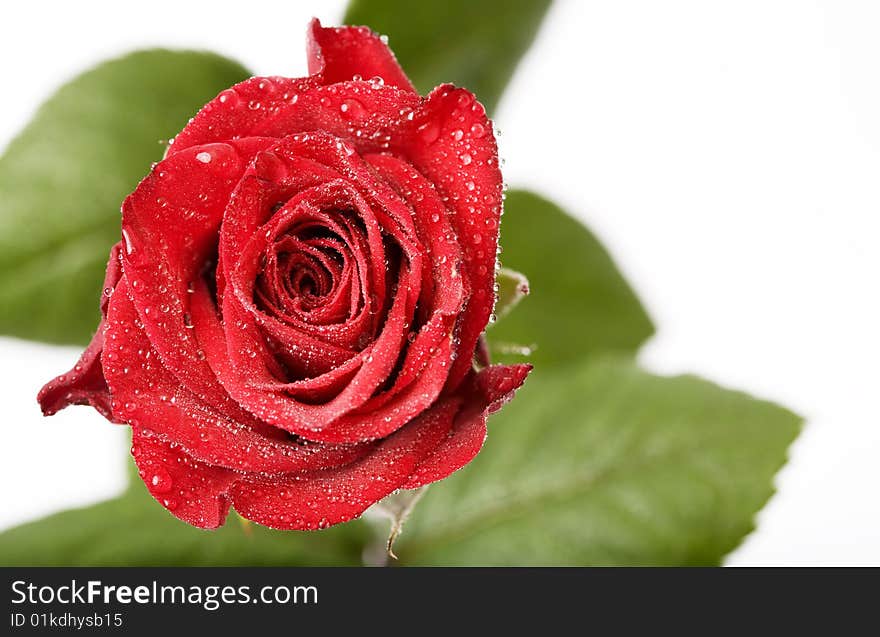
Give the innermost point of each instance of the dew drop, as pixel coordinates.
(352, 108)
(230, 96)
(466, 159)
(429, 132)
(478, 130)
(161, 481)
(204, 157)
(126, 239)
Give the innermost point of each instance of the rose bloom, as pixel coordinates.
(291, 319)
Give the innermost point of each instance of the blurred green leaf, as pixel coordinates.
(133, 530)
(476, 45)
(604, 464)
(578, 305)
(64, 177)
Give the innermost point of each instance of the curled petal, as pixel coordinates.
(486, 392)
(338, 54)
(188, 192)
(450, 141)
(85, 384)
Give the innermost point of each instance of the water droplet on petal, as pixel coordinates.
(161, 482)
(204, 157)
(126, 239)
(429, 132)
(353, 109)
(229, 96)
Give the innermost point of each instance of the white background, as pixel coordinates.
(727, 153)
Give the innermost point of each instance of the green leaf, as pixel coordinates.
(476, 45)
(63, 179)
(604, 464)
(579, 305)
(133, 530)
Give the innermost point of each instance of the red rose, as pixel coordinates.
(290, 320)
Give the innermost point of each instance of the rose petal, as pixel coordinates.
(338, 54)
(187, 192)
(192, 491)
(487, 391)
(85, 384)
(450, 141)
(359, 113)
(319, 499)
